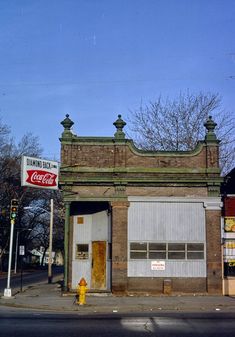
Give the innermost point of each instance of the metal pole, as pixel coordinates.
(50, 244)
(66, 239)
(21, 273)
(7, 291)
(16, 252)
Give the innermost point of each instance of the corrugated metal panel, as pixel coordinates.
(100, 226)
(82, 232)
(81, 269)
(166, 221)
(95, 227)
(173, 269)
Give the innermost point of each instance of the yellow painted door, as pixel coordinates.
(98, 270)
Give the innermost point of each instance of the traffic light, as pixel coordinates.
(14, 208)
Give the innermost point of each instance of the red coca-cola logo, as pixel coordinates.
(41, 178)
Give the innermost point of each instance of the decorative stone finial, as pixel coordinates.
(210, 126)
(119, 124)
(67, 124)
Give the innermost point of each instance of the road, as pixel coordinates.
(16, 322)
(40, 324)
(28, 278)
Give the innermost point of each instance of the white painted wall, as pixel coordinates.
(81, 234)
(95, 227)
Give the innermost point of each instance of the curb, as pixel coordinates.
(90, 309)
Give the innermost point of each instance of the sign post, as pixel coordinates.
(21, 253)
(50, 245)
(41, 173)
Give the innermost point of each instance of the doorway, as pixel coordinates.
(98, 268)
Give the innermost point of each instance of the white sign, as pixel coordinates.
(158, 265)
(21, 251)
(40, 173)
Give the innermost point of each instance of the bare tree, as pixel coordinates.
(37, 217)
(5, 140)
(177, 125)
(37, 199)
(30, 145)
(10, 184)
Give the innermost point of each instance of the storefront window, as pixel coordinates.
(138, 250)
(166, 251)
(229, 257)
(176, 251)
(195, 251)
(157, 250)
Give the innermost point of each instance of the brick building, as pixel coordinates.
(141, 221)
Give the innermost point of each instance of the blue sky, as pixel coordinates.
(95, 59)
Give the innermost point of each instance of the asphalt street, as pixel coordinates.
(38, 324)
(42, 310)
(28, 278)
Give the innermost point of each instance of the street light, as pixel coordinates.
(13, 215)
(7, 290)
(50, 236)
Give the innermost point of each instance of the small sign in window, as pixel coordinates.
(82, 251)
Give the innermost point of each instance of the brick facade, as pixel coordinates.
(214, 257)
(111, 169)
(119, 246)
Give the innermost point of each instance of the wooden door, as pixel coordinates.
(98, 270)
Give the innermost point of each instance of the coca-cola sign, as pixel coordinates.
(41, 178)
(40, 173)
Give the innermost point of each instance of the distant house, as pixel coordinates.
(35, 257)
(141, 221)
(38, 256)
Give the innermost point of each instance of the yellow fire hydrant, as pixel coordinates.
(81, 292)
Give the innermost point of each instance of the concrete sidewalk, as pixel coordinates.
(48, 297)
